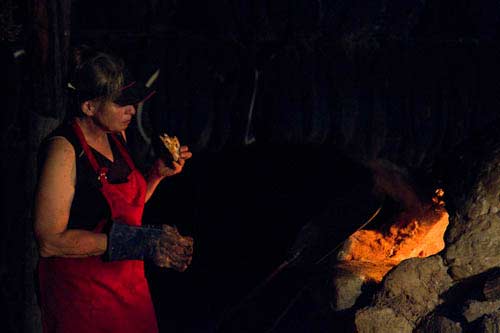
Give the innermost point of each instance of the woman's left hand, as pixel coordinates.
(161, 169)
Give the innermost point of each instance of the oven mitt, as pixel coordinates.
(162, 244)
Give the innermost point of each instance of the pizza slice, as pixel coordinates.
(172, 145)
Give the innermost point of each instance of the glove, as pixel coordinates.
(163, 245)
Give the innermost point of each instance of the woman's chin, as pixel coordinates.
(121, 127)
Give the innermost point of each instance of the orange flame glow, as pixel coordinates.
(370, 254)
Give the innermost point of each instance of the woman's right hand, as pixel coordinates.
(173, 250)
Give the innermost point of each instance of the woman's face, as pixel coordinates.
(112, 117)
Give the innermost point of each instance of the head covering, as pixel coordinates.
(98, 74)
(133, 92)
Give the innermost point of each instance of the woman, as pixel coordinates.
(88, 211)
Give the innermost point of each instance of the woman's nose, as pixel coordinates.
(130, 109)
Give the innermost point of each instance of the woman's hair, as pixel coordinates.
(96, 75)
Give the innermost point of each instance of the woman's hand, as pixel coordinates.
(161, 169)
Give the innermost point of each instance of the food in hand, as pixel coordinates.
(172, 145)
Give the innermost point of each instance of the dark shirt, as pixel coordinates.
(89, 205)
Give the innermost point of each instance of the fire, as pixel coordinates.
(371, 253)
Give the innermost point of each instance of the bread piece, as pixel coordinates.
(172, 144)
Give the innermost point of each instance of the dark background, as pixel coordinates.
(339, 83)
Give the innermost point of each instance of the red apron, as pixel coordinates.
(87, 295)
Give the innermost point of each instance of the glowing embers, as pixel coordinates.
(370, 254)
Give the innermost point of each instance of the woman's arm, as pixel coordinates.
(54, 195)
(160, 171)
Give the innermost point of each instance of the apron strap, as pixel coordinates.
(100, 171)
(124, 152)
(85, 146)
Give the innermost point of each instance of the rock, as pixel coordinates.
(490, 323)
(491, 289)
(473, 236)
(476, 309)
(346, 289)
(381, 320)
(437, 323)
(413, 288)
(476, 250)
